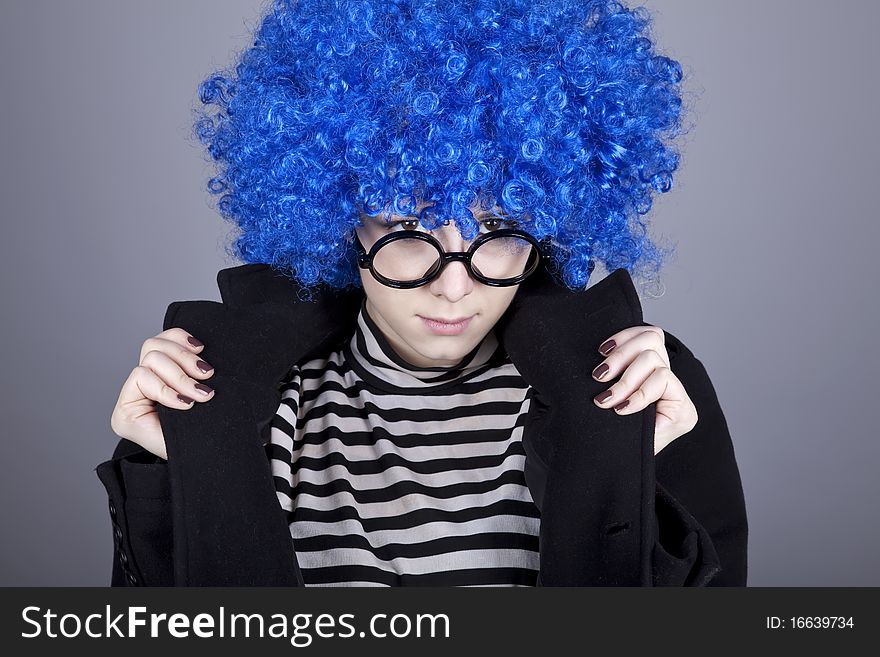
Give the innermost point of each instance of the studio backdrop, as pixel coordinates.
(106, 221)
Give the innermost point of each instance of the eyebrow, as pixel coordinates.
(491, 215)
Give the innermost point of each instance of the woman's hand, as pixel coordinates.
(166, 374)
(638, 355)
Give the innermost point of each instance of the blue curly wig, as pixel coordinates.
(559, 113)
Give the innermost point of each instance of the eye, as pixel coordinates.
(497, 223)
(406, 224)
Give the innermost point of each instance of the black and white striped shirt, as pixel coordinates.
(393, 475)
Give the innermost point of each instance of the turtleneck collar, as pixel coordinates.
(373, 358)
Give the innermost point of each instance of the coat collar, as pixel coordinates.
(268, 326)
(262, 327)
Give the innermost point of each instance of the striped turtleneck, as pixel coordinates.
(396, 475)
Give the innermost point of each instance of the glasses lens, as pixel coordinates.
(406, 259)
(503, 258)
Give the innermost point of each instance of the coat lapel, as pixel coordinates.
(585, 470)
(227, 526)
(592, 471)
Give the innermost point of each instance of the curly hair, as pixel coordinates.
(561, 113)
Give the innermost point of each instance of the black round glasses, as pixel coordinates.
(410, 258)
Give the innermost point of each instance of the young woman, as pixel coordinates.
(409, 383)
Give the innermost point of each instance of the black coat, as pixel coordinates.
(612, 514)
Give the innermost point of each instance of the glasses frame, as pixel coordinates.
(365, 259)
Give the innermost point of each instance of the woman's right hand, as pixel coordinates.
(168, 373)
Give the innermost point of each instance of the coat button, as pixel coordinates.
(112, 509)
(117, 532)
(123, 558)
(132, 579)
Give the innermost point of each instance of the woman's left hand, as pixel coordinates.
(639, 357)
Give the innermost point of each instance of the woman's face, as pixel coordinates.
(402, 315)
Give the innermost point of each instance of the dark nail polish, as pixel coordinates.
(194, 342)
(601, 371)
(184, 399)
(622, 405)
(606, 347)
(202, 365)
(205, 389)
(603, 397)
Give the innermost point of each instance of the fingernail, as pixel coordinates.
(603, 397)
(202, 365)
(606, 347)
(622, 405)
(184, 399)
(203, 388)
(601, 371)
(194, 342)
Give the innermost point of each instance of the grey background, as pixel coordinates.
(105, 223)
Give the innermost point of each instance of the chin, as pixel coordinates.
(449, 351)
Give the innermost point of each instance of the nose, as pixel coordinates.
(454, 282)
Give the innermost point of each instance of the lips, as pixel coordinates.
(447, 327)
(447, 321)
